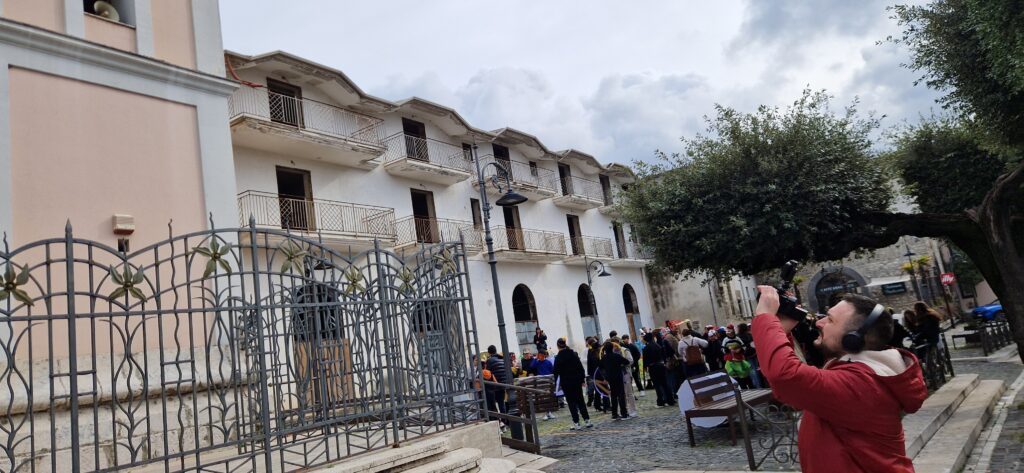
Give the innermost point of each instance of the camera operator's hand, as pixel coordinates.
(768, 303)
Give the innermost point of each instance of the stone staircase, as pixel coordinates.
(940, 436)
(472, 449)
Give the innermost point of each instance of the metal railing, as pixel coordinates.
(414, 229)
(446, 155)
(936, 364)
(995, 334)
(307, 114)
(523, 174)
(199, 353)
(531, 241)
(631, 250)
(524, 435)
(584, 188)
(317, 215)
(591, 246)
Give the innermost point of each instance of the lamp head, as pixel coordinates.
(511, 199)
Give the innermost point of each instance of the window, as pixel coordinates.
(502, 156)
(606, 189)
(415, 139)
(285, 102)
(123, 245)
(478, 221)
(295, 199)
(533, 169)
(467, 151)
(121, 11)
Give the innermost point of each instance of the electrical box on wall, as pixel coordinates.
(124, 224)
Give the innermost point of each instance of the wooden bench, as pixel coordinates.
(715, 395)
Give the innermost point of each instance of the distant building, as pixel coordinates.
(717, 302)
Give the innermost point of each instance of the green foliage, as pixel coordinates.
(944, 165)
(967, 274)
(973, 50)
(761, 188)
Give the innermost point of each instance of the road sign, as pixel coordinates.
(948, 279)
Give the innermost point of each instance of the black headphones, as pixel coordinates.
(853, 341)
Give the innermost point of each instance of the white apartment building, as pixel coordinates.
(315, 154)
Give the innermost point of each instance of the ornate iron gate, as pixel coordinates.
(228, 350)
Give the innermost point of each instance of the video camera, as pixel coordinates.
(787, 303)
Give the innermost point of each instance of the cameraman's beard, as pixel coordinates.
(819, 343)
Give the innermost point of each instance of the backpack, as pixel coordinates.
(694, 355)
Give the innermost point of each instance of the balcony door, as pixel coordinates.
(501, 155)
(575, 236)
(620, 239)
(423, 215)
(565, 177)
(513, 230)
(295, 199)
(415, 139)
(606, 189)
(285, 102)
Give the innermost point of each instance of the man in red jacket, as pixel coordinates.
(852, 407)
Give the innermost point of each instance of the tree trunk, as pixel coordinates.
(989, 235)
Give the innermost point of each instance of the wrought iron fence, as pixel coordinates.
(936, 364)
(307, 114)
(583, 188)
(311, 215)
(591, 246)
(445, 155)
(414, 230)
(199, 353)
(527, 240)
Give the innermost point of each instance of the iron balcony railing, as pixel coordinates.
(414, 229)
(580, 187)
(591, 246)
(317, 215)
(531, 241)
(522, 174)
(307, 114)
(445, 155)
(631, 250)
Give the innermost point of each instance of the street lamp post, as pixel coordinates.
(913, 277)
(510, 199)
(601, 272)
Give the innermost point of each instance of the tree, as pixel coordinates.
(760, 188)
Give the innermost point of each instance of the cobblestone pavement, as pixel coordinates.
(1009, 452)
(1007, 372)
(655, 440)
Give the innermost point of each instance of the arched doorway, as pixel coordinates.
(588, 311)
(831, 285)
(525, 311)
(632, 309)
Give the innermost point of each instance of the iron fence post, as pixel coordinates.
(69, 263)
(391, 334)
(261, 347)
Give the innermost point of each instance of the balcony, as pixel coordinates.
(579, 194)
(304, 128)
(424, 159)
(533, 182)
(413, 230)
(631, 255)
(608, 206)
(584, 248)
(522, 245)
(341, 224)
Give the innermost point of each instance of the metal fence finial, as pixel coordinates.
(67, 227)
(212, 226)
(170, 228)
(252, 221)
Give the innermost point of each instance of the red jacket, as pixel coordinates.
(852, 413)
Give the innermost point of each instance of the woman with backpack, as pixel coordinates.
(691, 350)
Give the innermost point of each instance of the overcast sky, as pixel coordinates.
(615, 79)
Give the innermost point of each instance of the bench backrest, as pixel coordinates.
(711, 387)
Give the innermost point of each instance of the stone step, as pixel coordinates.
(392, 458)
(456, 461)
(526, 470)
(496, 465)
(920, 426)
(948, 449)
